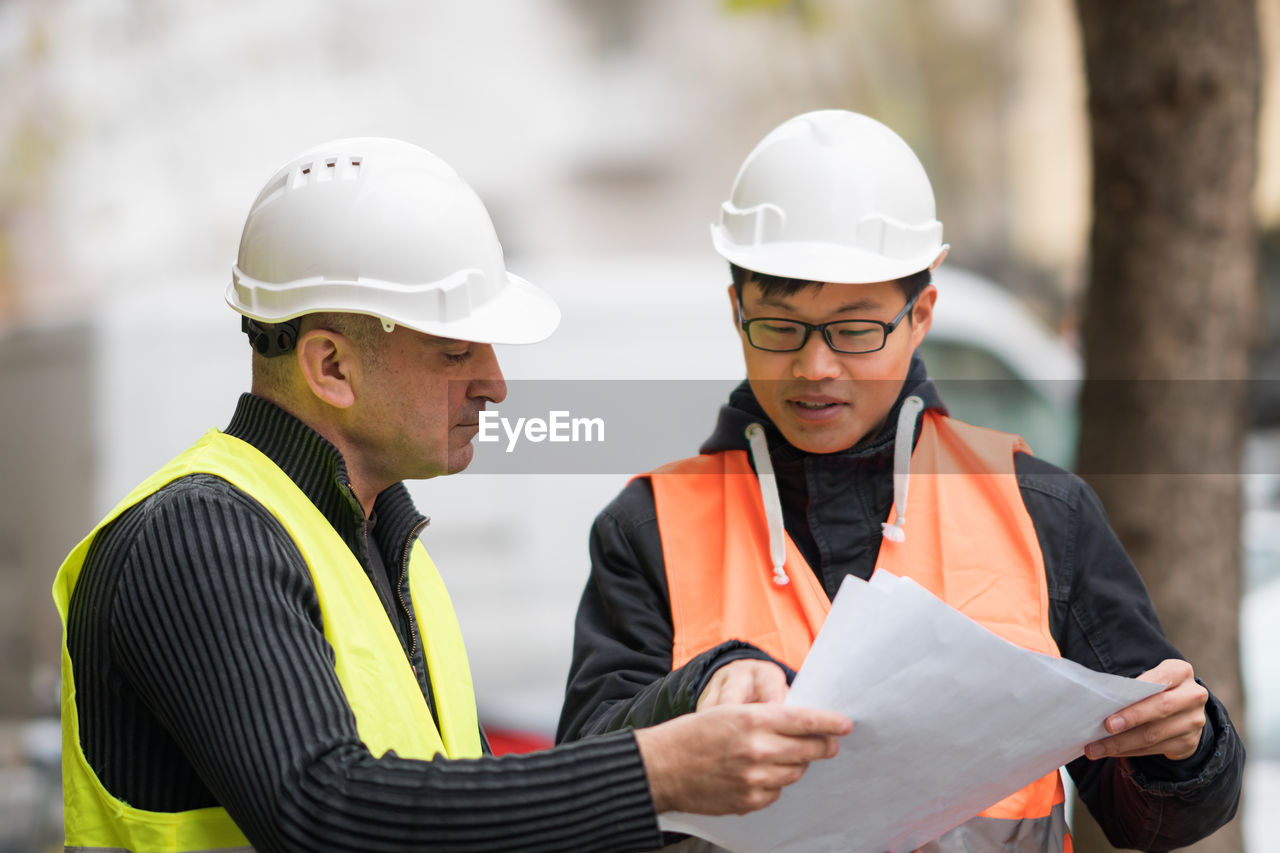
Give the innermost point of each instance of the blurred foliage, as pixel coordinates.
(25, 164)
(807, 12)
(28, 153)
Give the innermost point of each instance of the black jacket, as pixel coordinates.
(204, 678)
(833, 505)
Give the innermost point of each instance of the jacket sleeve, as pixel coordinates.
(216, 628)
(1102, 617)
(621, 675)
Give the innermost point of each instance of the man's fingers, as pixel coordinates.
(808, 721)
(735, 758)
(1181, 690)
(741, 681)
(1175, 737)
(814, 748)
(1171, 702)
(1170, 672)
(1174, 733)
(782, 775)
(1169, 723)
(770, 684)
(736, 683)
(778, 735)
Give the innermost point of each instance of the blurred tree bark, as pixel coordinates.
(1170, 312)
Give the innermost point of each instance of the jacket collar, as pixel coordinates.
(316, 466)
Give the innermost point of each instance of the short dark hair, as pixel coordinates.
(364, 330)
(772, 285)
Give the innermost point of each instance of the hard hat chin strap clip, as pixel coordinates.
(271, 339)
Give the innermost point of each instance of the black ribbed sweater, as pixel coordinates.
(203, 678)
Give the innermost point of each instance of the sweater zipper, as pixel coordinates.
(404, 574)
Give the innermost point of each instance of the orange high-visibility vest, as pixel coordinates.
(969, 541)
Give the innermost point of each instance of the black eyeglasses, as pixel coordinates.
(774, 334)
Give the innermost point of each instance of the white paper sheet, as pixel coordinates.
(948, 719)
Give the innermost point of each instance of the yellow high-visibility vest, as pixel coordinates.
(380, 686)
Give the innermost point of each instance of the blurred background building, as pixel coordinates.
(601, 134)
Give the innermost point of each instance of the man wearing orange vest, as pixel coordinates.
(258, 651)
(711, 576)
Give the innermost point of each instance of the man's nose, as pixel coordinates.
(815, 360)
(487, 382)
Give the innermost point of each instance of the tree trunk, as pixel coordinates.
(1170, 312)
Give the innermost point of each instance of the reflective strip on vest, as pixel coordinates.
(69, 849)
(377, 680)
(1030, 835)
(969, 541)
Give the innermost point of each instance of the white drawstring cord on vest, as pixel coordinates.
(772, 506)
(903, 445)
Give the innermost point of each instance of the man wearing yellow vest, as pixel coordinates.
(258, 652)
(711, 576)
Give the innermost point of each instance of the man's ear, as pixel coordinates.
(330, 362)
(737, 315)
(922, 314)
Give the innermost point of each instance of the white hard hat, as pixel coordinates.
(385, 228)
(830, 196)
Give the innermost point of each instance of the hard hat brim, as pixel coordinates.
(519, 313)
(826, 262)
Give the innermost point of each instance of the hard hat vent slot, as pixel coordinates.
(330, 170)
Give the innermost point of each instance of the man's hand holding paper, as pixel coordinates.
(948, 719)
(746, 760)
(1169, 723)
